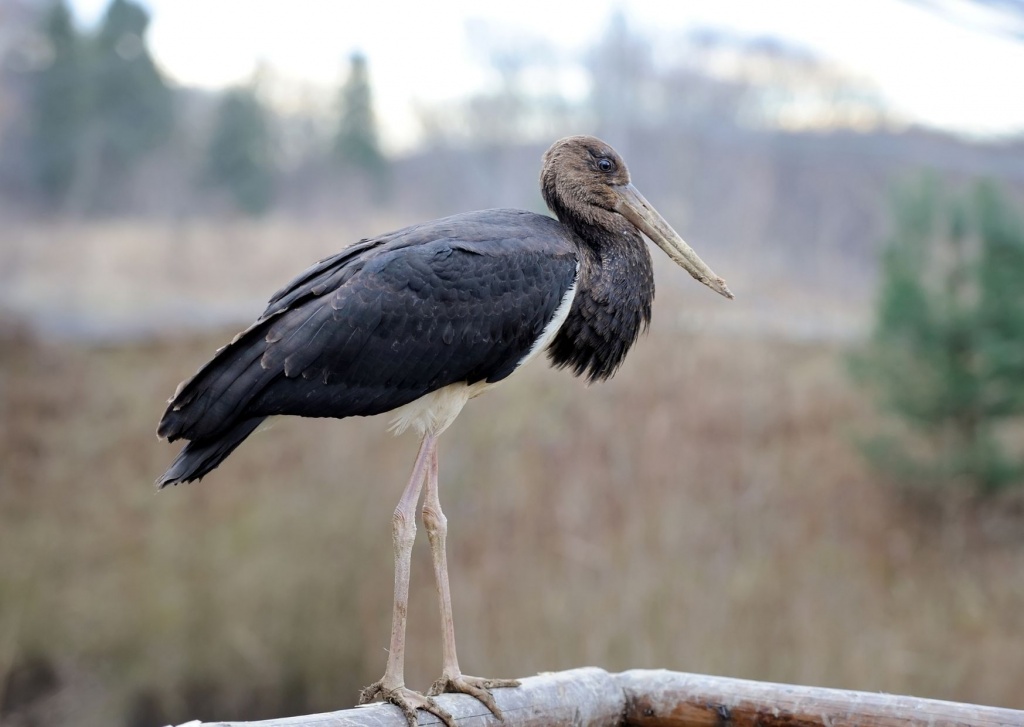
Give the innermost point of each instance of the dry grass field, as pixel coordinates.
(705, 511)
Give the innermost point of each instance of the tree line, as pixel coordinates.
(99, 110)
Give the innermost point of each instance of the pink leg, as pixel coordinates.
(452, 679)
(392, 686)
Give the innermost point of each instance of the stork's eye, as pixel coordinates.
(605, 165)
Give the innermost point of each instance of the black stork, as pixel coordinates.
(419, 321)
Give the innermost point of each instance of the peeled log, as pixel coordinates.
(583, 697)
(592, 697)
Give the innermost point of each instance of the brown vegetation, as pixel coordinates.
(705, 511)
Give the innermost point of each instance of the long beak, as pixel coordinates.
(639, 211)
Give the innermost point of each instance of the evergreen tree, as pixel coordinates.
(356, 144)
(947, 353)
(133, 106)
(58, 108)
(239, 154)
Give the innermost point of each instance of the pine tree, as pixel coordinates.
(356, 144)
(133, 110)
(239, 154)
(947, 354)
(58, 108)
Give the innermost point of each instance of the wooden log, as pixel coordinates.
(587, 697)
(673, 699)
(657, 698)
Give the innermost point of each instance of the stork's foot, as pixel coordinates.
(406, 700)
(474, 687)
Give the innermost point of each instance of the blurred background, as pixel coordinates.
(818, 482)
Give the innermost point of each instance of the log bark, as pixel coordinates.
(674, 699)
(592, 697)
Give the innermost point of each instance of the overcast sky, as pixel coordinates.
(929, 67)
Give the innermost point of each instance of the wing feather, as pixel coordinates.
(388, 320)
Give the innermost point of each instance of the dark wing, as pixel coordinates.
(385, 322)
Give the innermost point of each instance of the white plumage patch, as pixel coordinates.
(551, 329)
(434, 412)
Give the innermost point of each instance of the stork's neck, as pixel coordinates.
(612, 304)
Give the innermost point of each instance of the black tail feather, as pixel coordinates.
(208, 401)
(201, 456)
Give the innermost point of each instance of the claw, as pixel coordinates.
(408, 701)
(476, 687)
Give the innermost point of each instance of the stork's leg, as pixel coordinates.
(392, 686)
(452, 679)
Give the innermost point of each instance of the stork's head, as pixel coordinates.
(585, 180)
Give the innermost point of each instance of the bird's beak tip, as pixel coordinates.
(716, 283)
(723, 289)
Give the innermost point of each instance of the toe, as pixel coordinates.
(370, 693)
(438, 711)
(408, 701)
(483, 696)
(474, 687)
(499, 683)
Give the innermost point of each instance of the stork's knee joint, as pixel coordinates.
(403, 528)
(434, 520)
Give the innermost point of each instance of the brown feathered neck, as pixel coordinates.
(615, 287)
